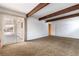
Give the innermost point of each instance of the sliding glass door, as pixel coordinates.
(13, 29)
(9, 34)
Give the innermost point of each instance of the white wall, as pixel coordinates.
(36, 28)
(11, 12)
(67, 27)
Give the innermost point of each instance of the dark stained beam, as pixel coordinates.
(69, 9)
(64, 17)
(37, 8)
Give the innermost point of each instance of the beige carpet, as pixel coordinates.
(48, 46)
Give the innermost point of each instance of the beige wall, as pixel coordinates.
(0, 31)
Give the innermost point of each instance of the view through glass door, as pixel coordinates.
(9, 35)
(13, 29)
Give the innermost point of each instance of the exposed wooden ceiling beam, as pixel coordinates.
(37, 8)
(64, 17)
(69, 9)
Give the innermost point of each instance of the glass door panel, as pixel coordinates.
(20, 29)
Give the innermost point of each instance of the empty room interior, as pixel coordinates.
(39, 29)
